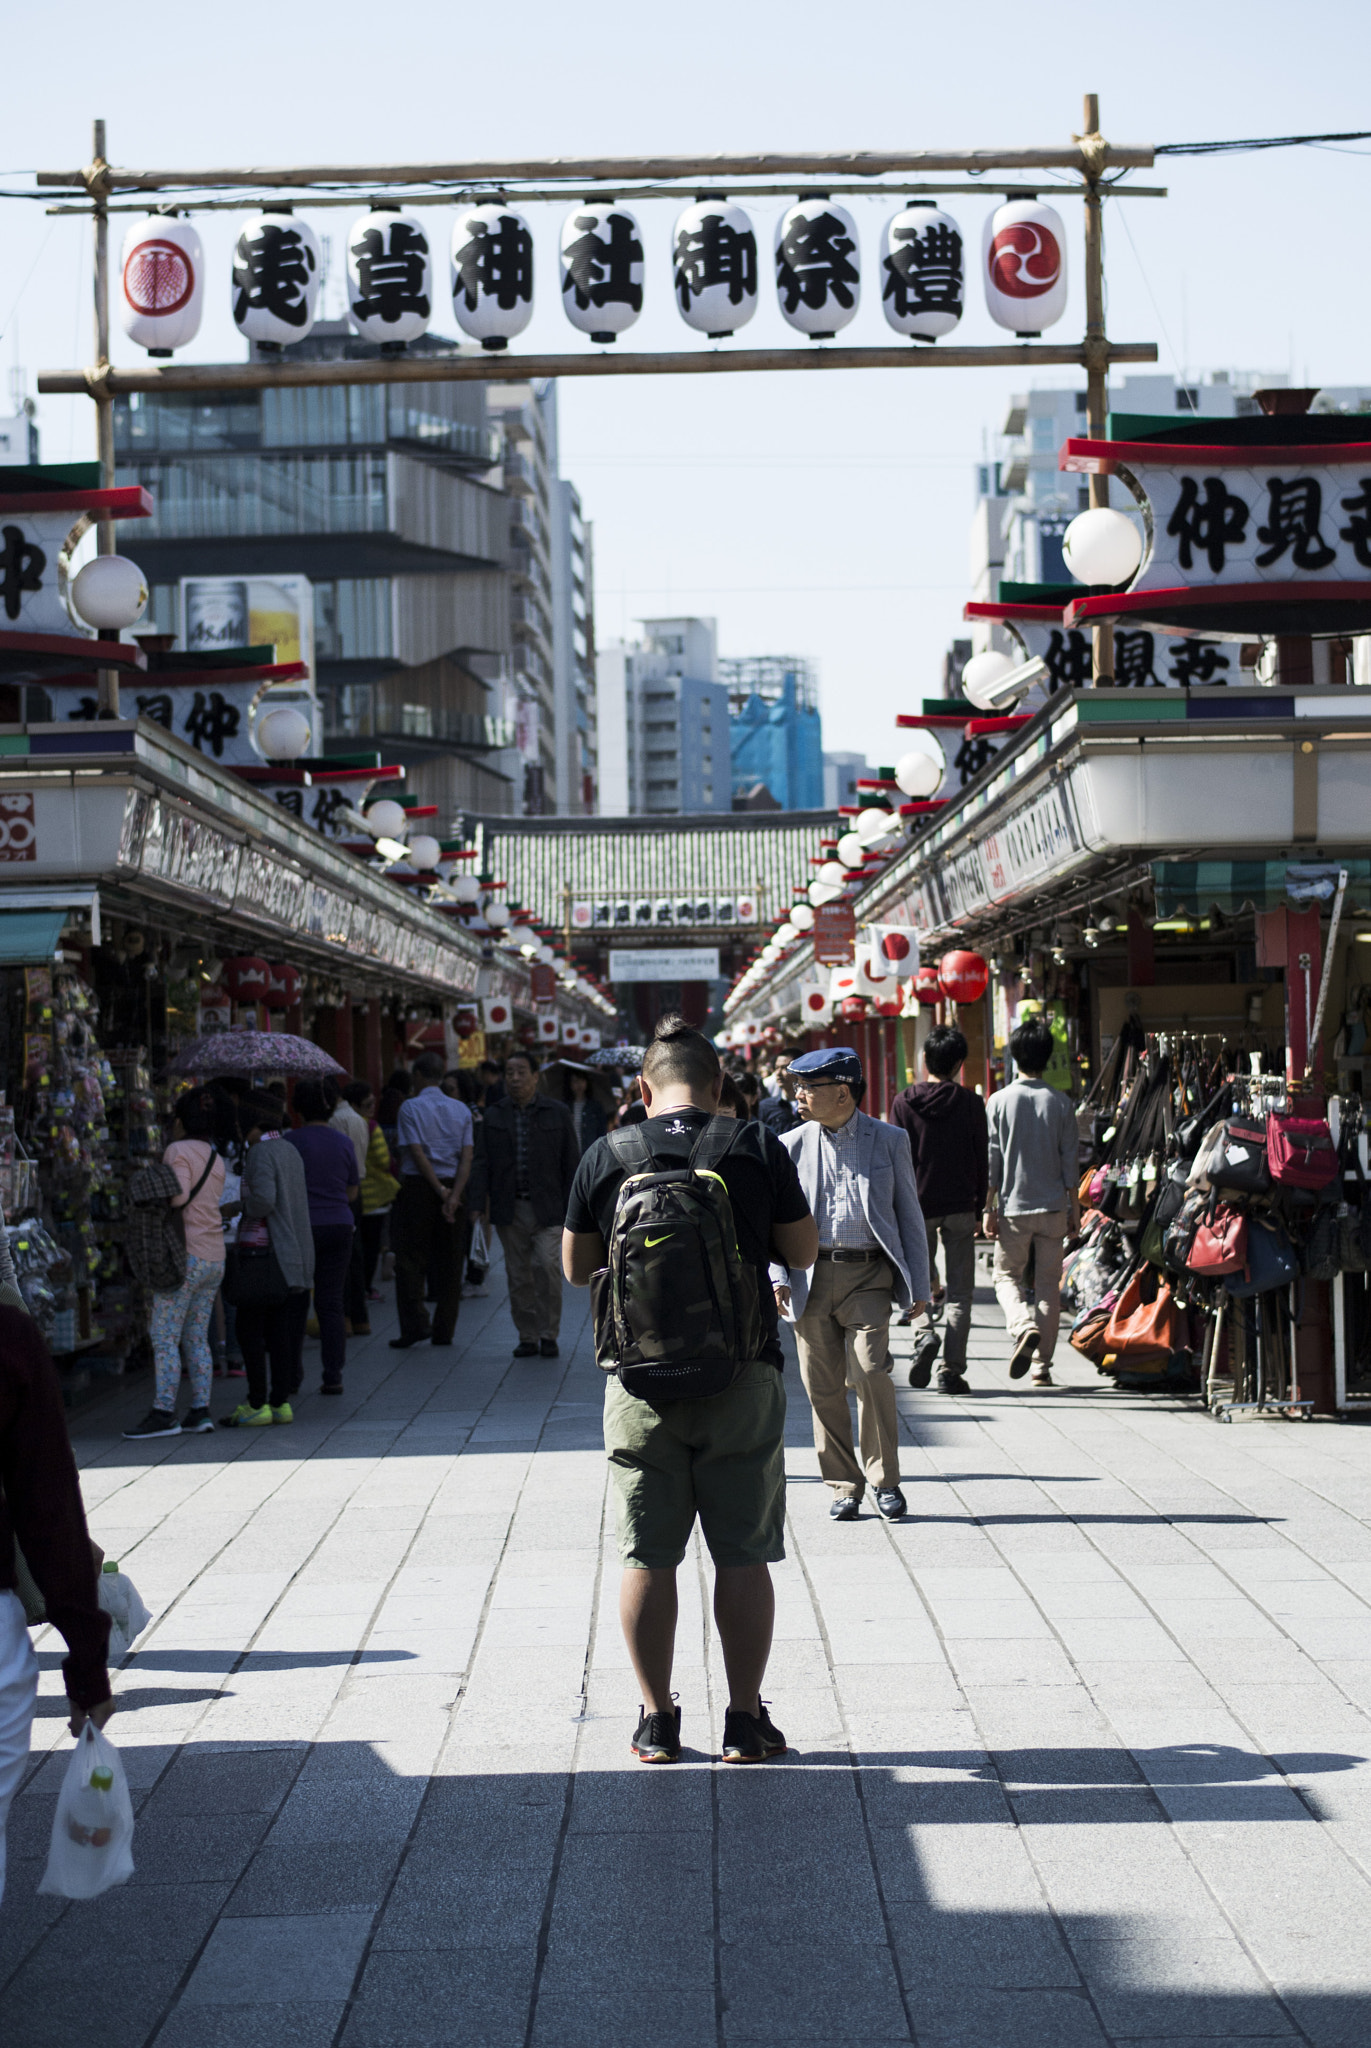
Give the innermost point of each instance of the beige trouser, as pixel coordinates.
(533, 1266)
(1043, 1233)
(843, 1339)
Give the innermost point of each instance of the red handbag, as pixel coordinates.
(1220, 1244)
(1300, 1151)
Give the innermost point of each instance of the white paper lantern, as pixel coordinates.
(385, 820)
(834, 873)
(918, 773)
(276, 272)
(162, 284)
(786, 933)
(1102, 546)
(496, 916)
(923, 271)
(714, 268)
(390, 277)
(818, 279)
(425, 852)
(851, 852)
(602, 269)
(109, 593)
(1024, 266)
(873, 825)
(980, 675)
(466, 888)
(802, 917)
(492, 273)
(282, 734)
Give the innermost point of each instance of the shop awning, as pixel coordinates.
(1235, 885)
(28, 937)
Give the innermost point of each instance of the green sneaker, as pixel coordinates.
(285, 1413)
(245, 1416)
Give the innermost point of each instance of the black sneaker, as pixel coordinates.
(526, 1351)
(751, 1738)
(198, 1422)
(891, 1503)
(156, 1423)
(845, 1507)
(1023, 1354)
(925, 1351)
(950, 1382)
(658, 1737)
(547, 1348)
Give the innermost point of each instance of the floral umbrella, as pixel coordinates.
(253, 1052)
(626, 1058)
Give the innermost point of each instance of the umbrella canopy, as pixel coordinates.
(627, 1058)
(253, 1052)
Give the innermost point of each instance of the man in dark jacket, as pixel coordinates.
(531, 1156)
(778, 1112)
(947, 1131)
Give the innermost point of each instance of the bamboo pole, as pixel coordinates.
(510, 368)
(107, 679)
(1097, 352)
(619, 170)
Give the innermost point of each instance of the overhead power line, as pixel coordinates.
(1256, 142)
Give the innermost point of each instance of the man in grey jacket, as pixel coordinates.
(1033, 1206)
(858, 1178)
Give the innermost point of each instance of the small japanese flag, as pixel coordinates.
(816, 1004)
(549, 1030)
(893, 949)
(751, 1032)
(843, 982)
(497, 1013)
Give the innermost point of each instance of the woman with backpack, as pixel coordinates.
(181, 1314)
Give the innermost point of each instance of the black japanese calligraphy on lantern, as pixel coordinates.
(391, 269)
(21, 568)
(157, 706)
(210, 721)
(272, 269)
(713, 252)
(924, 273)
(1067, 661)
(1358, 527)
(1196, 661)
(1211, 523)
(599, 268)
(814, 259)
(971, 757)
(1292, 524)
(1133, 658)
(497, 260)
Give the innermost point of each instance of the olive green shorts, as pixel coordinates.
(721, 1459)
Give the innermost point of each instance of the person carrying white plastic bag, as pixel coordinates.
(40, 1505)
(92, 1830)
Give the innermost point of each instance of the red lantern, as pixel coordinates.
(886, 1008)
(927, 986)
(852, 1009)
(963, 976)
(283, 989)
(247, 979)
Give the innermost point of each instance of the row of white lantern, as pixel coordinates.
(874, 832)
(277, 272)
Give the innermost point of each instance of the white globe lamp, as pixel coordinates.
(497, 917)
(834, 872)
(851, 852)
(283, 733)
(385, 820)
(823, 892)
(919, 773)
(425, 852)
(1102, 546)
(802, 917)
(980, 676)
(466, 889)
(786, 934)
(873, 825)
(109, 593)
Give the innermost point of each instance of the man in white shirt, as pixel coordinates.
(436, 1143)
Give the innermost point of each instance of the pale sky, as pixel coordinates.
(822, 514)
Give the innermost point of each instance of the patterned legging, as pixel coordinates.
(185, 1312)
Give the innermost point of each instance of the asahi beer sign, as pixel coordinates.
(223, 612)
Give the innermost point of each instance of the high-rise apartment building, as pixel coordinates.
(664, 724)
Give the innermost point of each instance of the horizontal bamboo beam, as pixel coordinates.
(505, 368)
(561, 194)
(104, 179)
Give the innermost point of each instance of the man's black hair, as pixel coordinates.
(357, 1092)
(261, 1112)
(429, 1066)
(945, 1050)
(1030, 1045)
(195, 1111)
(681, 1056)
(523, 1052)
(315, 1100)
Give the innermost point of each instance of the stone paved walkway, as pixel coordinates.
(1080, 1748)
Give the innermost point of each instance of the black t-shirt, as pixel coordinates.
(763, 1188)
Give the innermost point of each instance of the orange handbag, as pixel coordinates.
(1138, 1326)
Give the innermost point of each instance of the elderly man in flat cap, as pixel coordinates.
(858, 1177)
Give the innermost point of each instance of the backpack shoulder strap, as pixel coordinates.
(209, 1168)
(631, 1149)
(717, 1138)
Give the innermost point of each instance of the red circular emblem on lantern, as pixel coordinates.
(1024, 260)
(964, 977)
(158, 278)
(247, 979)
(927, 986)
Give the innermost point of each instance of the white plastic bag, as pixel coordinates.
(92, 1829)
(128, 1616)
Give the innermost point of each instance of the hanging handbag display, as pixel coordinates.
(1300, 1152)
(1220, 1246)
(1141, 1328)
(1271, 1260)
(1179, 1237)
(1238, 1161)
(1088, 1331)
(1321, 1257)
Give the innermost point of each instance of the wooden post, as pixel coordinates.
(96, 180)
(1094, 150)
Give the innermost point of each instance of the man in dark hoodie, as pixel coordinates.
(946, 1124)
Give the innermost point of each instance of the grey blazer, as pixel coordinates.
(274, 1187)
(890, 1197)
